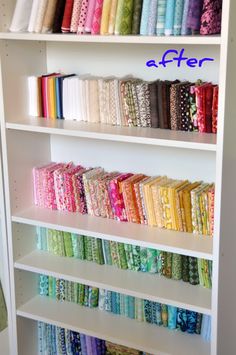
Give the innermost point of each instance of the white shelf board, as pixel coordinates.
(124, 232)
(194, 40)
(151, 136)
(114, 328)
(137, 284)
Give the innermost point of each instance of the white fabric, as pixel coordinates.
(21, 16)
(33, 16)
(33, 96)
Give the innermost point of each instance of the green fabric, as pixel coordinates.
(3, 310)
(122, 256)
(176, 267)
(168, 265)
(81, 293)
(151, 260)
(129, 256)
(119, 14)
(106, 252)
(193, 271)
(185, 268)
(68, 244)
(143, 259)
(97, 253)
(137, 12)
(127, 16)
(88, 248)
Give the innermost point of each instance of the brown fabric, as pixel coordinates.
(57, 23)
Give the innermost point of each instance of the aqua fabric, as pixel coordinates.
(184, 29)
(169, 20)
(145, 17)
(179, 6)
(161, 15)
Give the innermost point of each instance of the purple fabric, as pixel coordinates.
(83, 344)
(211, 17)
(194, 15)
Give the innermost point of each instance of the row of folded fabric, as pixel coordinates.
(157, 201)
(119, 17)
(129, 101)
(128, 306)
(126, 256)
(55, 340)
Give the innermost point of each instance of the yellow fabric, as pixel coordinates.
(187, 206)
(173, 205)
(112, 17)
(51, 97)
(148, 198)
(157, 201)
(105, 17)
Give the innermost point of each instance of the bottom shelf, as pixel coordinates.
(142, 336)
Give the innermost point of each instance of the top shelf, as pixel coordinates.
(192, 40)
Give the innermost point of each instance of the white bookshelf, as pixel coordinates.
(27, 142)
(4, 268)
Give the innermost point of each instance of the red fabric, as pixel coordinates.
(215, 109)
(67, 16)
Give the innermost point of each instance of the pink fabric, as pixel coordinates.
(116, 197)
(69, 190)
(89, 17)
(75, 15)
(82, 16)
(96, 23)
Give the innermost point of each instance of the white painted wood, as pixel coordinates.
(195, 40)
(224, 287)
(4, 342)
(124, 232)
(117, 156)
(137, 284)
(26, 144)
(118, 329)
(149, 136)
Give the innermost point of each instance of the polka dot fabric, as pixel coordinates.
(82, 17)
(75, 15)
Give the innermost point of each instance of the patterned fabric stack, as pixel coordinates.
(130, 102)
(54, 340)
(119, 17)
(131, 307)
(156, 201)
(125, 256)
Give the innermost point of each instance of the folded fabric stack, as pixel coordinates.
(126, 256)
(54, 340)
(119, 17)
(130, 102)
(120, 304)
(156, 201)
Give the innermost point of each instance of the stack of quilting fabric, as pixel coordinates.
(54, 340)
(120, 304)
(119, 17)
(126, 256)
(130, 102)
(157, 201)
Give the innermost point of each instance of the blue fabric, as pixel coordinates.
(169, 20)
(144, 18)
